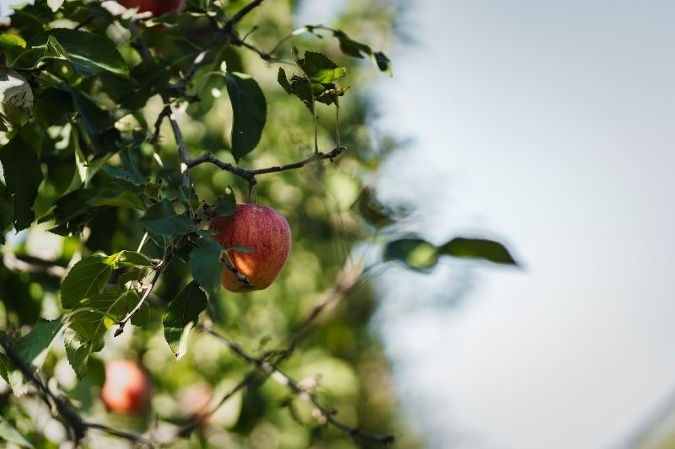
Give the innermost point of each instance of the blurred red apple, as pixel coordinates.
(256, 241)
(156, 7)
(126, 388)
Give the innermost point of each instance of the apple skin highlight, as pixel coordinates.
(266, 235)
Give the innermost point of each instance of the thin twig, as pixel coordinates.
(280, 377)
(159, 269)
(132, 437)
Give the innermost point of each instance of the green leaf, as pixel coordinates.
(283, 80)
(320, 70)
(383, 63)
(372, 210)
(475, 248)
(16, 100)
(226, 204)
(415, 253)
(249, 110)
(78, 352)
(128, 259)
(182, 312)
(88, 277)
(31, 345)
(98, 123)
(88, 325)
(46, 48)
(351, 47)
(10, 435)
(89, 53)
(23, 176)
(8, 41)
(206, 264)
(119, 198)
(6, 211)
(162, 220)
(73, 211)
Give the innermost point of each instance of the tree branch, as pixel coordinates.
(302, 392)
(249, 175)
(66, 413)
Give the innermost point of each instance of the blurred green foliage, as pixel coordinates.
(94, 183)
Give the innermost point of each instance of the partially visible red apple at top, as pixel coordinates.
(265, 234)
(156, 7)
(126, 388)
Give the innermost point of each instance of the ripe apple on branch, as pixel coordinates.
(256, 242)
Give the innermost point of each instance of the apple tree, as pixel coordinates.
(124, 131)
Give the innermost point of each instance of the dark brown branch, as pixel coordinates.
(249, 175)
(65, 411)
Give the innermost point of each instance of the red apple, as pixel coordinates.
(156, 7)
(256, 241)
(126, 388)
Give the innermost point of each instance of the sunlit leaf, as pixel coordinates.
(415, 253)
(10, 435)
(89, 53)
(31, 345)
(88, 277)
(11, 41)
(119, 198)
(16, 100)
(249, 109)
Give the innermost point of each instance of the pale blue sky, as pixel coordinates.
(551, 128)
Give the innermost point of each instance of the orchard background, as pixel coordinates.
(122, 134)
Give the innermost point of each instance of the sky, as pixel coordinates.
(546, 125)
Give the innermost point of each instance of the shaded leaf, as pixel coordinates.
(249, 109)
(372, 210)
(162, 220)
(351, 47)
(182, 312)
(119, 198)
(383, 63)
(476, 248)
(6, 211)
(226, 204)
(23, 176)
(206, 264)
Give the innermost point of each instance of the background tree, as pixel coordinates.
(123, 135)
